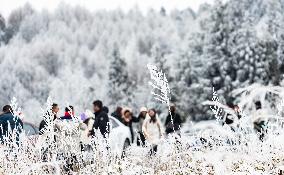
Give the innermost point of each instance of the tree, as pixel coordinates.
(120, 86)
(15, 20)
(226, 54)
(2, 29)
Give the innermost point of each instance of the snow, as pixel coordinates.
(76, 56)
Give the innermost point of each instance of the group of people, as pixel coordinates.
(97, 120)
(258, 118)
(149, 127)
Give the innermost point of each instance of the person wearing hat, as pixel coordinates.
(141, 118)
(88, 119)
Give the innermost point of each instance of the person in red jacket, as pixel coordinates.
(69, 113)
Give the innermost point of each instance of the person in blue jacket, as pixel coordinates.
(9, 123)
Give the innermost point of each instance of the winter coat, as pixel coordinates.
(130, 125)
(66, 116)
(101, 122)
(8, 120)
(84, 134)
(153, 131)
(117, 116)
(140, 120)
(43, 124)
(170, 127)
(140, 138)
(86, 128)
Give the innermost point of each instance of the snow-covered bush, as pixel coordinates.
(210, 151)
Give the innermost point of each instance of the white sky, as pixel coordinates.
(6, 6)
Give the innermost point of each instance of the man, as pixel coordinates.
(43, 124)
(101, 119)
(173, 122)
(9, 121)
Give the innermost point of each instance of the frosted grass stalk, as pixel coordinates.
(161, 89)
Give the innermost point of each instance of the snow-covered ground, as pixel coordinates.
(176, 155)
(205, 147)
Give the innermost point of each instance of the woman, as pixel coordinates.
(152, 130)
(127, 120)
(85, 127)
(141, 119)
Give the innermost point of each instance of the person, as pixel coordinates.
(238, 111)
(231, 122)
(152, 130)
(86, 127)
(230, 114)
(69, 113)
(141, 117)
(89, 119)
(9, 121)
(43, 124)
(127, 120)
(101, 119)
(173, 121)
(118, 114)
(260, 120)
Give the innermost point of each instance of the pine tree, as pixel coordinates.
(120, 86)
(226, 55)
(2, 29)
(189, 78)
(15, 20)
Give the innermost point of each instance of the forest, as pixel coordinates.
(75, 56)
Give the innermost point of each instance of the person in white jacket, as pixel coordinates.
(85, 127)
(152, 130)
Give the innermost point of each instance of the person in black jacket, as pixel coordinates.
(42, 129)
(175, 125)
(8, 120)
(101, 119)
(141, 117)
(118, 114)
(43, 124)
(127, 120)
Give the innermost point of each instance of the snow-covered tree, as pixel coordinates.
(70, 54)
(120, 86)
(2, 29)
(15, 20)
